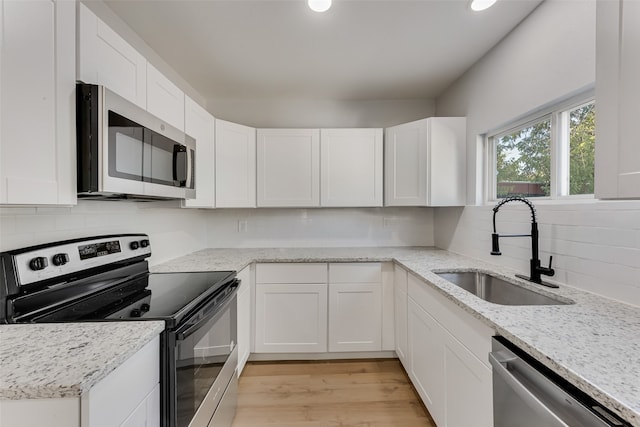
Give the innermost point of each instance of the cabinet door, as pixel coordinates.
(37, 112)
(426, 360)
(244, 318)
(425, 163)
(617, 90)
(406, 164)
(105, 58)
(351, 167)
(199, 124)
(355, 316)
(401, 328)
(291, 318)
(164, 99)
(468, 390)
(447, 177)
(288, 167)
(119, 395)
(235, 169)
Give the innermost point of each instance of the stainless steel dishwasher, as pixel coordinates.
(527, 394)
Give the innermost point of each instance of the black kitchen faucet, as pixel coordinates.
(536, 269)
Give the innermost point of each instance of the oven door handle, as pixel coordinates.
(208, 312)
(500, 367)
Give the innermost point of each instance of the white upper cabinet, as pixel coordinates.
(351, 167)
(617, 169)
(106, 59)
(199, 124)
(37, 112)
(425, 163)
(164, 99)
(235, 165)
(288, 167)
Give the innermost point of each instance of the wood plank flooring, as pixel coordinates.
(361, 393)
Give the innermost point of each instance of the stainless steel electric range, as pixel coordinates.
(107, 278)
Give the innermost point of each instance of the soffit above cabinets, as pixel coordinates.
(358, 50)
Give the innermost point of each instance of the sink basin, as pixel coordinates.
(496, 290)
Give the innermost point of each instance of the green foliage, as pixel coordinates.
(582, 149)
(525, 156)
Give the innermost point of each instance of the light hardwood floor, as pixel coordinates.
(362, 393)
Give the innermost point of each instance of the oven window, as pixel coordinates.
(199, 359)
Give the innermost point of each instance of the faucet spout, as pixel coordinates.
(536, 270)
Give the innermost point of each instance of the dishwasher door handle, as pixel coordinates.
(500, 368)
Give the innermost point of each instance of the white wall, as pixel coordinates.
(317, 113)
(173, 232)
(550, 55)
(595, 244)
(321, 227)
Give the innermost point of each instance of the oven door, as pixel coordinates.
(205, 360)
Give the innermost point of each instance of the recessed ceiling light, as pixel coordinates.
(320, 5)
(478, 5)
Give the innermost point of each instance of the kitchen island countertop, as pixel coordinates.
(594, 343)
(61, 360)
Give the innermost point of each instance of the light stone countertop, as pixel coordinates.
(57, 360)
(594, 343)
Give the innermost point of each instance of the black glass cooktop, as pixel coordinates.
(175, 294)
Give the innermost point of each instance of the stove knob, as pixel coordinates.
(144, 243)
(145, 307)
(134, 245)
(38, 263)
(135, 313)
(60, 259)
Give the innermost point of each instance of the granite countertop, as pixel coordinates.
(60, 360)
(594, 343)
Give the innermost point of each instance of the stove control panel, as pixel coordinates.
(59, 259)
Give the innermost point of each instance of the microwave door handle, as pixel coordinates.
(500, 368)
(189, 169)
(179, 156)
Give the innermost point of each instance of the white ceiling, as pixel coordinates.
(358, 50)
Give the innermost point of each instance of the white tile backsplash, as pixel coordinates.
(321, 227)
(595, 244)
(175, 232)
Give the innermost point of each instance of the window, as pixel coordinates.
(549, 155)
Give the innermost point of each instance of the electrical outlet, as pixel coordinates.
(242, 226)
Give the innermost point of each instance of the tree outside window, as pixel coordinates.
(523, 160)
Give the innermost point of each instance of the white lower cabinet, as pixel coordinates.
(127, 397)
(401, 314)
(319, 307)
(244, 317)
(291, 318)
(468, 387)
(447, 358)
(426, 360)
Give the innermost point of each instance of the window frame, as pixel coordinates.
(558, 114)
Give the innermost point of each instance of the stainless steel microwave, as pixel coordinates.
(124, 152)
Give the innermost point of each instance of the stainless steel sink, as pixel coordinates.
(498, 291)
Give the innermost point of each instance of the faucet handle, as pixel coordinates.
(547, 271)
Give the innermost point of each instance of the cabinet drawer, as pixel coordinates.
(291, 273)
(369, 272)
